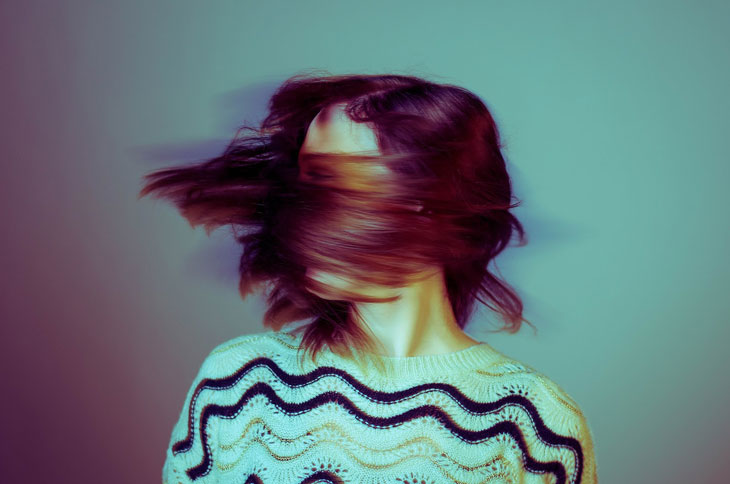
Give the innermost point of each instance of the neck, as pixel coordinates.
(421, 322)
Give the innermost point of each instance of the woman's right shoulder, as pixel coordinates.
(239, 343)
(235, 352)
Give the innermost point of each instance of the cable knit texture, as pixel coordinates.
(254, 414)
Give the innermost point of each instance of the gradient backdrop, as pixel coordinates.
(615, 120)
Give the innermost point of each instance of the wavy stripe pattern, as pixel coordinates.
(264, 401)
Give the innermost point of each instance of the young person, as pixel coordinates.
(370, 205)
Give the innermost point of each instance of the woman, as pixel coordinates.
(371, 205)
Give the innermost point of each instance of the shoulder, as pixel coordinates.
(234, 352)
(557, 417)
(515, 376)
(554, 400)
(238, 344)
(221, 370)
(558, 429)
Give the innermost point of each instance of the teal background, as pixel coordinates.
(615, 120)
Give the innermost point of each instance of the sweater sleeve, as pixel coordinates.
(579, 429)
(590, 470)
(188, 455)
(564, 418)
(570, 421)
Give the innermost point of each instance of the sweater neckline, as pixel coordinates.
(438, 356)
(479, 355)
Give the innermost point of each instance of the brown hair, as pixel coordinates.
(439, 146)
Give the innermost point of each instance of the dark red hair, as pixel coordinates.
(439, 147)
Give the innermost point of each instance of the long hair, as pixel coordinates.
(438, 146)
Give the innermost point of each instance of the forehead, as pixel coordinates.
(331, 131)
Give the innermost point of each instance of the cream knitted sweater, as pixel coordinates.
(254, 415)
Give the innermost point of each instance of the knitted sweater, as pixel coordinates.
(253, 414)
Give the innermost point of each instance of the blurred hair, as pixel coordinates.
(439, 147)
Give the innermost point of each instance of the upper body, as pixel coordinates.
(254, 414)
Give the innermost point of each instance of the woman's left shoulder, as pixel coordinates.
(551, 404)
(516, 376)
(552, 392)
